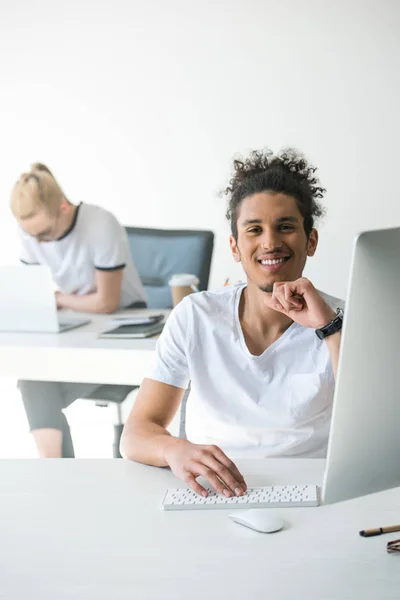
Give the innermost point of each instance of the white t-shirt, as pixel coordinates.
(95, 240)
(272, 405)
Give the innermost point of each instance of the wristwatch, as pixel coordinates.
(332, 327)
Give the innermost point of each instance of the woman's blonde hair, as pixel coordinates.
(35, 190)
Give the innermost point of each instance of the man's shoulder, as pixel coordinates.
(216, 297)
(210, 302)
(332, 301)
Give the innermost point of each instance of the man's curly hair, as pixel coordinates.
(287, 173)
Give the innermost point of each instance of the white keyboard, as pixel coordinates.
(284, 496)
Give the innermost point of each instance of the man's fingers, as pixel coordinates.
(228, 480)
(284, 298)
(211, 463)
(279, 297)
(223, 459)
(195, 486)
(292, 297)
(282, 302)
(219, 485)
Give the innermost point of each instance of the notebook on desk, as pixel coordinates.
(117, 321)
(133, 331)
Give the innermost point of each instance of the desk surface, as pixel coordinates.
(77, 355)
(93, 529)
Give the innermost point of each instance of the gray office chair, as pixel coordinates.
(158, 254)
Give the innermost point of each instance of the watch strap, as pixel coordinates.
(332, 327)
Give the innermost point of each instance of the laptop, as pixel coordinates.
(364, 443)
(28, 303)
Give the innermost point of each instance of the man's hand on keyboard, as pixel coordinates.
(188, 461)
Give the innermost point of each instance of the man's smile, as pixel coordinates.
(273, 263)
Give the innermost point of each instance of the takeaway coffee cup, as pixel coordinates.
(182, 284)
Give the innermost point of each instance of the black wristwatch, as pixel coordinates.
(332, 327)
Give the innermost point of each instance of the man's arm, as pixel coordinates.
(300, 301)
(146, 439)
(104, 300)
(333, 343)
(145, 434)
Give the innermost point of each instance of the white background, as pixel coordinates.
(140, 106)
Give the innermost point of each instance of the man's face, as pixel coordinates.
(42, 226)
(272, 244)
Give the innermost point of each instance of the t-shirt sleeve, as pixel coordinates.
(170, 364)
(109, 247)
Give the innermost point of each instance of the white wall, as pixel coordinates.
(139, 106)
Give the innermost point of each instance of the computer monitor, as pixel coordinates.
(364, 443)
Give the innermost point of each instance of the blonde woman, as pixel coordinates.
(88, 253)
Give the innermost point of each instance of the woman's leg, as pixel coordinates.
(44, 401)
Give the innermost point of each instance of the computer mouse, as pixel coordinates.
(258, 519)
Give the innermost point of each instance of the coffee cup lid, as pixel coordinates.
(184, 279)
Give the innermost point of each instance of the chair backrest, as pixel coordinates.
(160, 253)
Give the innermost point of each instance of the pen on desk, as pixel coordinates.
(379, 530)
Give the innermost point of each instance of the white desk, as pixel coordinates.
(77, 355)
(94, 530)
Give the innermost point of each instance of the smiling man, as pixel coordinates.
(261, 357)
